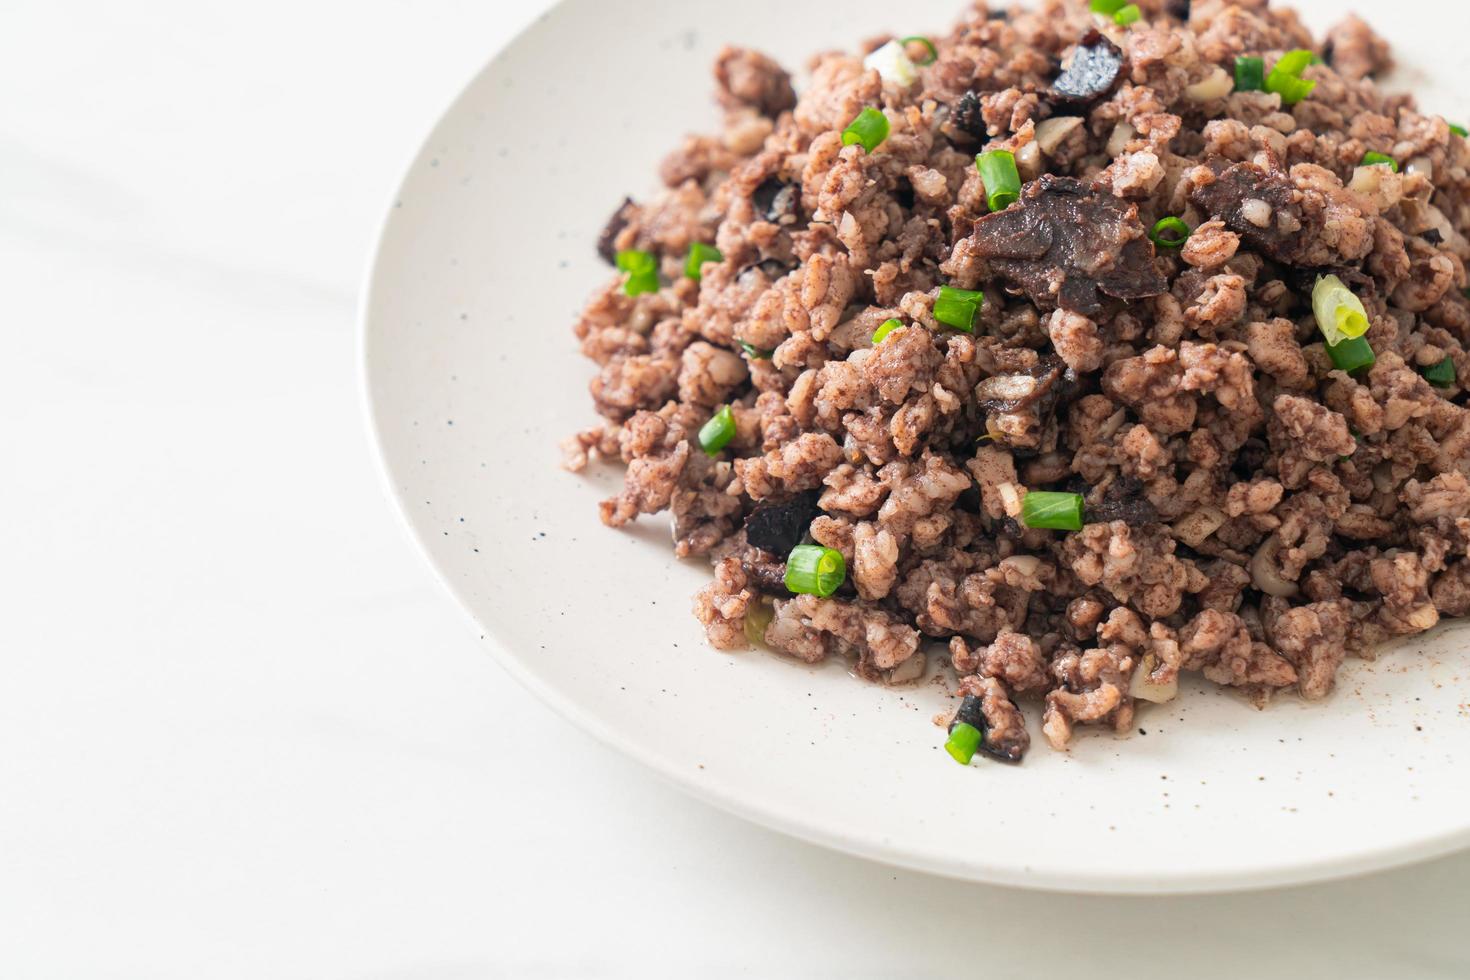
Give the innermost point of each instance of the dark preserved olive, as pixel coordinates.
(777, 201)
(609, 233)
(778, 526)
(1093, 73)
(1066, 244)
(1121, 500)
(969, 499)
(969, 714)
(965, 115)
(972, 713)
(903, 193)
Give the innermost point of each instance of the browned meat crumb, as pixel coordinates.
(1355, 51)
(1251, 514)
(749, 78)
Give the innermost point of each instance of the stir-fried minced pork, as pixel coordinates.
(1251, 512)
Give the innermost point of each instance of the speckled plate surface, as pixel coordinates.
(472, 377)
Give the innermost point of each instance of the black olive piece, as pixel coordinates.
(1096, 66)
(1433, 236)
(965, 114)
(775, 199)
(1122, 500)
(904, 194)
(969, 714)
(1178, 9)
(969, 499)
(615, 224)
(1053, 244)
(778, 526)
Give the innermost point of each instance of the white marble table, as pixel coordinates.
(242, 734)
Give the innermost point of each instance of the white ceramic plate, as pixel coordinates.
(473, 376)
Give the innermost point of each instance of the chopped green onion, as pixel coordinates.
(642, 270)
(1459, 130)
(755, 353)
(888, 327)
(699, 254)
(758, 616)
(1250, 74)
(1055, 511)
(1317, 59)
(814, 570)
(1441, 375)
(1285, 78)
(641, 282)
(1352, 355)
(964, 741)
(1372, 159)
(957, 307)
(1293, 63)
(920, 39)
(1170, 232)
(1002, 180)
(632, 260)
(870, 128)
(1127, 15)
(716, 434)
(1108, 7)
(1343, 321)
(1340, 314)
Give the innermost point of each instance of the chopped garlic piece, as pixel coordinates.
(892, 62)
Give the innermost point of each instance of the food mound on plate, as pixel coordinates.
(1100, 342)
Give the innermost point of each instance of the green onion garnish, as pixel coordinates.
(642, 270)
(1002, 180)
(1352, 355)
(1459, 130)
(920, 39)
(957, 307)
(1055, 511)
(1250, 74)
(1441, 375)
(1108, 7)
(1373, 159)
(699, 254)
(1127, 15)
(632, 260)
(758, 616)
(716, 434)
(755, 353)
(1340, 314)
(964, 738)
(870, 128)
(1285, 78)
(1170, 232)
(888, 327)
(814, 570)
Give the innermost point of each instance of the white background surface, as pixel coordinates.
(241, 732)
